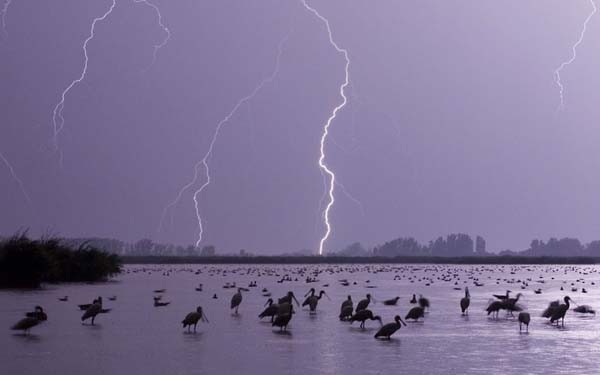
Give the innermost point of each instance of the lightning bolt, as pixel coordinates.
(557, 78)
(16, 178)
(3, 19)
(322, 165)
(161, 24)
(57, 117)
(206, 159)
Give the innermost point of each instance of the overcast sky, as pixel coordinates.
(451, 123)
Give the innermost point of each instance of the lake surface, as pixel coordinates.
(138, 338)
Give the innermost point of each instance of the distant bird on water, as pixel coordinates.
(389, 329)
(193, 318)
(391, 302)
(414, 299)
(33, 319)
(465, 302)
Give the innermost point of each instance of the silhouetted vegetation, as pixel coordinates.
(26, 263)
(282, 259)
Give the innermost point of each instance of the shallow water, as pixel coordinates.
(136, 338)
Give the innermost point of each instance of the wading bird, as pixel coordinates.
(465, 302)
(193, 318)
(391, 302)
(314, 300)
(284, 315)
(33, 319)
(389, 329)
(270, 311)
(236, 300)
(524, 318)
(364, 303)
(94, 310)
(362, 316)
(415, 313)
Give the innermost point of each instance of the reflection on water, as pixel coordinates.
(136, 337)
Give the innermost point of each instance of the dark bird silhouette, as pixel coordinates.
(391, 302)
(465, 302)
(314, 300)
(494, 308)
(502, 297)
(363, 304)
(284, 316)
(560, 311)
(193, 318)
(236, 300)
(423, 302)
(415, 313)
(63, 299)
(94, 310)
(584, 309)
(524, 318)
(362, 316)
(510, 304)
(389, 329)
(270, 311)
(158, 303)
(288, 299)
(33, 319)
(346, 312)
(308, 295)
(414, 299)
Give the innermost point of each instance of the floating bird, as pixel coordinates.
(362, 316)
(584, 309)
(270, 311)
(524, 318)
(363, 304)
(465, 302)
(63, 299)
(193, 318)
(236, 300)
(415, 313)
(113, 298)
(414, 299)
(391, 302)
(158, 303)
(33, 319)
(389, 329)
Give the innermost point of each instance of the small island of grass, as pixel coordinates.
(27, 263)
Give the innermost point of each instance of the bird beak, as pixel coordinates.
(307, 293)
(297, 303)
(403, 322)
(205, 318)
(325, 294)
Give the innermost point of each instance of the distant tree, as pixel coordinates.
(208, 251)
(400, 246)
(480, 245)
(355, 249)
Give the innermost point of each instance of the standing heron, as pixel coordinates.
(364, 303)
(389, 329)
(465, 302)
(270, 311)
(236, 300)
(524, 318)
(362, 316)
(33, 319)
(193, 318)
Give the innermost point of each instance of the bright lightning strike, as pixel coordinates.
(161, 24)
(206, 159)
(3, 19)
(557, 78)
(322, 165)
(57, 117)
(16, 178)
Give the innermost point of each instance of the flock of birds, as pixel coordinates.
(281, 311)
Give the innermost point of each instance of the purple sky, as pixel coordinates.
(451, 124)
